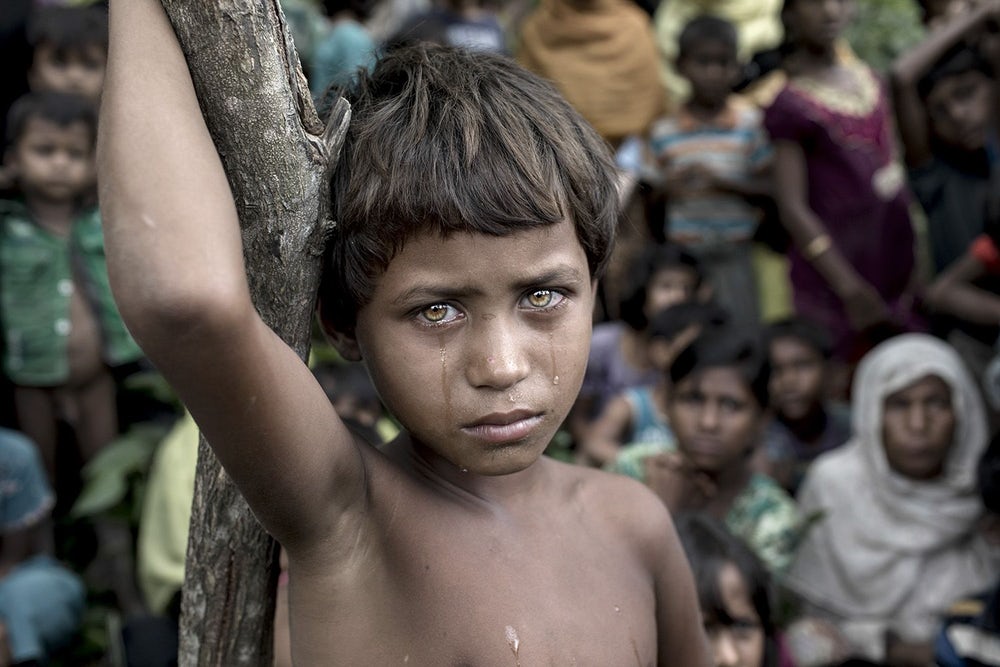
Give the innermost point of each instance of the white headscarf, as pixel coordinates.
(892, 552)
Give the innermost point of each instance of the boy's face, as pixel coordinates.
(918, 425)
(960, 109)
(797, 375)
(669, 287)
(715, 417)
(712, 70)
(478, 344)
(53, 162)
(78, 71)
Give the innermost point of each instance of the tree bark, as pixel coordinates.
(277, 157)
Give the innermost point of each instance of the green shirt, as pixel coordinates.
(37, 270)
(763, 515)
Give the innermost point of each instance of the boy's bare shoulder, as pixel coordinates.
(618, 503)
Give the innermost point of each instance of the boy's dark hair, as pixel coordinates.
(801, 329)
(445, 141)
(709, 547)
(960, 59)
(706, 28)
(68, 28)
(725, 346)
(61, 109)
(671, 321)
(642, 268)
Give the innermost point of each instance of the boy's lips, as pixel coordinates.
(504, 426)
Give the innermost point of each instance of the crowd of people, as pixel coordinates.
(796, 344)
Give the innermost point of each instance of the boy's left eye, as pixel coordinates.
(543, 298)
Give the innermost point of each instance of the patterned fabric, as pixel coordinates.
(25, 495)
(37, 272)
(735, 147)
(763, 515)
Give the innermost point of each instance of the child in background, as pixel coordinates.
(447, 545)
(619, 355)
(62, 332)
(900, 533)
(943, 94)
(734, 589)
(41, 602)
(806, 424)
(345, 48)
(714, 157)
(839, 191)
(69, 50)
(716, 407)
(637, 416)
(468, 24)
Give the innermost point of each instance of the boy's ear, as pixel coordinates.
(346, 343)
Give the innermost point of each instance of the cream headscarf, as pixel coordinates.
(891, 552)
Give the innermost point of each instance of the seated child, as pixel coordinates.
(474, 211)
(659, 277)
(805, 424)
(734, 589)
(41, 602)
(898, 536)
(716, 407)
(637, 416)
(713, 157)
(69, 50)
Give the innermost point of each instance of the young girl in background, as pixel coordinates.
(838, 187)
(734, 592)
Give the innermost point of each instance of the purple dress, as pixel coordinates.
(857, 189)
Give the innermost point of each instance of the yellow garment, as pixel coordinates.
(758, 26)
(601, 57)
(166, 513)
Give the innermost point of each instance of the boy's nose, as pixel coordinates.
(709, 416)
(497, 358)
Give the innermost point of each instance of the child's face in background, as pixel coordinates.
(79, 71)
(53, 162)
(961, 110)
(797, 375)
(668, 287)
(918, 426)
(715, 418)
(739, 642)
(712, 69)
(819, 23)
(478, 344)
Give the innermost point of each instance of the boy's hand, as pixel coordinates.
(678, 484)
(863, 305)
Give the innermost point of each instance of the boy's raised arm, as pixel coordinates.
(176, 266)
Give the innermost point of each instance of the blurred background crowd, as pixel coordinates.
(796, 345)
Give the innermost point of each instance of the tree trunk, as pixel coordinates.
(277, 157)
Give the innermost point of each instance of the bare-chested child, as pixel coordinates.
(475, 212)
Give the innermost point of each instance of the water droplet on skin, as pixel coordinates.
(618, 609)
(464, 469)
(555, 380)
(511, 635)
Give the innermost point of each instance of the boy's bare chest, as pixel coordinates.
(467, 597)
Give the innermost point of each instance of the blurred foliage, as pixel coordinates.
(883, 29)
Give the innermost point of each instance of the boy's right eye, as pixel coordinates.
(438, 313)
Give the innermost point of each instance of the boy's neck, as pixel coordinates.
(705, 110)
(54, 217)
(810, 59)
(505, 491)
(729, 483)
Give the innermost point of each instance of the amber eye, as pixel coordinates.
(540, 298)
(435, 313)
